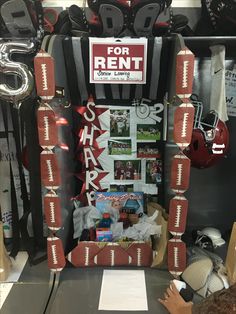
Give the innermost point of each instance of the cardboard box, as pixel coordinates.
(159, 244)
(230, 262)
(88, 253)
(136, 253)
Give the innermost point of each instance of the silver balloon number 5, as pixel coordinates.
(21, 70)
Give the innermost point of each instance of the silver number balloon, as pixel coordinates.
(21, 70)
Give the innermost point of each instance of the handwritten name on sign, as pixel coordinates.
(120, 61)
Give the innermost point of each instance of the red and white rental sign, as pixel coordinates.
(120, 61)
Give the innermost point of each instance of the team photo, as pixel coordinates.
(148, 150)
(119, 147)
(121, 188)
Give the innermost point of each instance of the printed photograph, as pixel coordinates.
(121, 188)
(119, 123)
(115, 202)
(148, 150)
(154, 171)
(148, 132)
(119, 147)
(127, 169)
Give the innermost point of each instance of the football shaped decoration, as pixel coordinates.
(141, 254)
(178, 210)
(184, 74)
(112, 255)
(83, 254)
(183, 124)
(56, 258)
(50, 174)
(44, 75)
(88, 253)
(52, 211)
(47, 127)
(180, 173)
(176, 256)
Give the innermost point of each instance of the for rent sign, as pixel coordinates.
(120, 61)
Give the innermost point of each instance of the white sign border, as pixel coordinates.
(118, 41)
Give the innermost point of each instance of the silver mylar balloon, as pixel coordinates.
(21, 70)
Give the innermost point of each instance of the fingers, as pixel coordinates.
(173, 288)
(166, 295)
(169, 292)
(163, 302)
(166, 304)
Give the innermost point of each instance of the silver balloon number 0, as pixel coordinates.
(17, 69)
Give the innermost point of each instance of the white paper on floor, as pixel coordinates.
(17, 267)
(5, 288)
(123, 290)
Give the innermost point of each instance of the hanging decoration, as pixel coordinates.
(125, 143)
(10, 67)
(16, 85)
(21, 32)
(180, 169)
(117, 150)
(89, 151)
(50, 173)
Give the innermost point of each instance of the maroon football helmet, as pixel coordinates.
(210, 139)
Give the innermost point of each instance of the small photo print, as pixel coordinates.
(153, 171)
(127, 169)
(121, 188)
(148, 150)
(115, 202)
(119, 147)
(119, 123)
(148, 132)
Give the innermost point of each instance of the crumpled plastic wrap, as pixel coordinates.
(140, 231)
(84, 218)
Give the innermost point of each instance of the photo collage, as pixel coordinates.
(133, 147)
